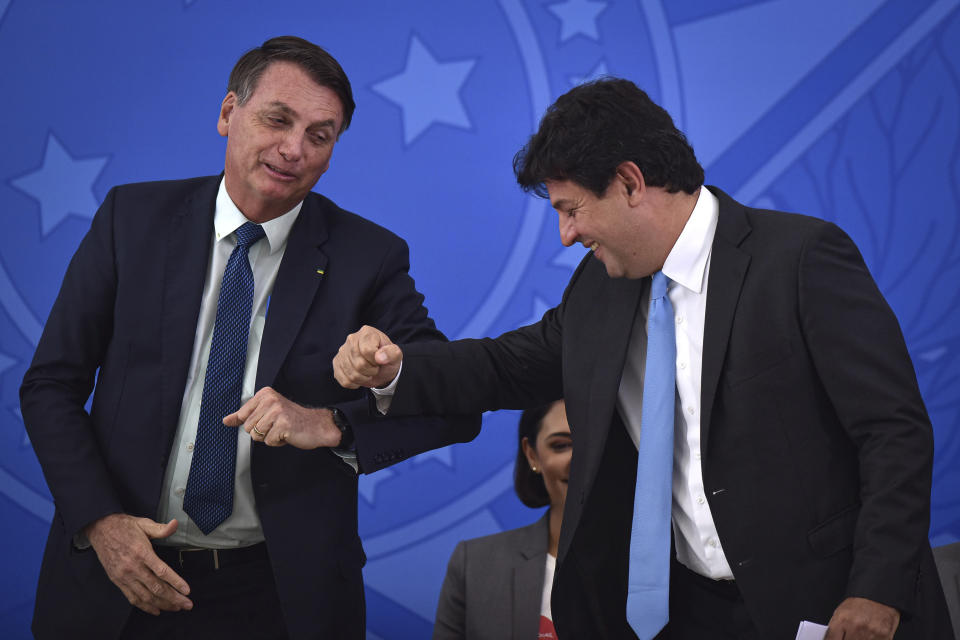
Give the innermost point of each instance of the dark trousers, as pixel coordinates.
(237, 600)
(705, 609)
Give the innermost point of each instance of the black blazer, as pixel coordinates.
(817, 449)
(127, 314)
(494, 586)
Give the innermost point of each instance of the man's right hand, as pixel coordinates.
(122, 543)
(367, 359)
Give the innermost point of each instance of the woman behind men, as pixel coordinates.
(498, 587)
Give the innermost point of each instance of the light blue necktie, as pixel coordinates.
(208, 499)
(648, 590)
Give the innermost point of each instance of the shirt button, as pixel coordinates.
(697, 455)
(189, 446)
(713, 543)
(700, 500)
(179, 491)
(679, 319)
(691, 410)
(683, 365)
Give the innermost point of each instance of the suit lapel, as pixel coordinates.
(293, 290)
(185, 259)
(602, 335)
(528, 577)
(614, 330)
(728, 268)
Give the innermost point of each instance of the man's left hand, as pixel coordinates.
(272, 419)
(862, 619)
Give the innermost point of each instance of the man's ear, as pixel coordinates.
(226, 110)
(631, 178)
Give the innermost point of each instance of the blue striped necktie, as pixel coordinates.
(648, 588)
(208, 499)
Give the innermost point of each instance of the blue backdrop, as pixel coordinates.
(845, 110)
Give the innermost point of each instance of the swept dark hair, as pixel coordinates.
(591, 129)
(529, 485)
(322, 67)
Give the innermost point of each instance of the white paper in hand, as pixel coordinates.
(811, 631)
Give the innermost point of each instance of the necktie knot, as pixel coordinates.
(658, 286)
(248, 233)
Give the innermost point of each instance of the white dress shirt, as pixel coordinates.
(688, 267)
(242, 528)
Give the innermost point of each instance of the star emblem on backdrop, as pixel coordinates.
(62, 185)
(421, 108)
(578, 17)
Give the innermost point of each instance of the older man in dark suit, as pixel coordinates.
(186, 299)
(752, 448)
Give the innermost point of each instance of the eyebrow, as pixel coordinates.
(285, 108)
(329, 122)
(562, 203)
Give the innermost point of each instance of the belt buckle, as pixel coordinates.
(215, 552)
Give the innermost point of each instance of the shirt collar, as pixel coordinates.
(686, 263)
(227, 218)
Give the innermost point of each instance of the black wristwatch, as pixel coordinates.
(346, 431)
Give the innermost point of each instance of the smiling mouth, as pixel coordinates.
(279, 172)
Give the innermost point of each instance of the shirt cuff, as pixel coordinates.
(383, 396)
(350, 457)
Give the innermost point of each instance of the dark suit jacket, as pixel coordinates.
(127, 314)
(817, 449)
(494, 586)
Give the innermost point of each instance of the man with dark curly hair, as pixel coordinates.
(792, 478)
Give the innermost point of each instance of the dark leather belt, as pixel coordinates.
(195, 559)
